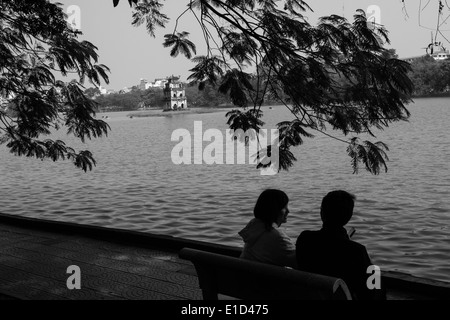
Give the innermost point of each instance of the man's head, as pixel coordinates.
(337, 208)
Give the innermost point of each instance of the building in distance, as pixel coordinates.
(144, 84)
(174, 95)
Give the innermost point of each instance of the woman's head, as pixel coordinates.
(271, 207)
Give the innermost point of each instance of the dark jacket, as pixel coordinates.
(331, 252)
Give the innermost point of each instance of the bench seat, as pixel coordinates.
(250, 280)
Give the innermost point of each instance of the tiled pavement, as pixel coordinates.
(33, 265)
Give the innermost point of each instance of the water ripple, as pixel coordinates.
(402, 216)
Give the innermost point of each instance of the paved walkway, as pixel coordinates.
(34, 262)
(33, 265)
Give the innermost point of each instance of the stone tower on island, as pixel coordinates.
(174, 95)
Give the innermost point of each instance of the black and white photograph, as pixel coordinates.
(222, 157)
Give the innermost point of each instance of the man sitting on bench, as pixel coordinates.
(330, 251)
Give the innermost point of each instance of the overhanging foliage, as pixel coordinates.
(336, 74)
(35, 44)
(333, 75)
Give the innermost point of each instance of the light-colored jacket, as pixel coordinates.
(273, 247)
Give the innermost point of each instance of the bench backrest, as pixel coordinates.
(244, 279)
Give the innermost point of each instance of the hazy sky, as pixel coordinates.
(132, 54)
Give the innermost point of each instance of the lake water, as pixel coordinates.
(402, 216)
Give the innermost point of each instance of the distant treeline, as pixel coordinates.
(431, 77)
(154, 98)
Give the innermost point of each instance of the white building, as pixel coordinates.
(102, 90)
(158, 83)
(125, 90)
(441, 55)
(144, 84)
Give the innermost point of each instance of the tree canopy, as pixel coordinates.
(430, 77)
(36, 43)
(334, 75)
(154, 98)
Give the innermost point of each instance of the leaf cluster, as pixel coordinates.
(36, 43)
(336, 74)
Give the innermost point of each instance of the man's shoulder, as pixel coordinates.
(308, 235)
(356, 245)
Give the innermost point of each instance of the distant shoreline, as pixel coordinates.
(161, 113)
(199, 110)
(433, 95)
(157, 112)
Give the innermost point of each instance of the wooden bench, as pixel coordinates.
(250, 280)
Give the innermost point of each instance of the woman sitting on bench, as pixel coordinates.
(264, 241)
